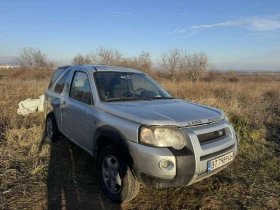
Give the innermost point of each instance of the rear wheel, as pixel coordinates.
(115, 176)
(52, 132)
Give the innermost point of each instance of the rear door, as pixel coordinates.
(76, 110)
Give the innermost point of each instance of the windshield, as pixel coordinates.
(122, 86)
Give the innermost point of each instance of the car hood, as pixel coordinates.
(164, 112)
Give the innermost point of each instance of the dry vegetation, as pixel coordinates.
(35, 174)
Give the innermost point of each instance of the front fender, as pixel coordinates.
(116, 137)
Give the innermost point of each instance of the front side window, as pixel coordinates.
(117, 86)
(80, 88)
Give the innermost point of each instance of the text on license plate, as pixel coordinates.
(220, 161)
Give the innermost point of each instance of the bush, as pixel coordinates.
(32, 58)
(180, 64)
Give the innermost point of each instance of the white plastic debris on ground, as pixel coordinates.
(31, 105)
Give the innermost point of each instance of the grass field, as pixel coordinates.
(4, 72)
(35, 174)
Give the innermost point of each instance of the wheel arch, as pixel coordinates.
(108, 135)
(49, 114)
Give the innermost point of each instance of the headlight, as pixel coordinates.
(163, 137)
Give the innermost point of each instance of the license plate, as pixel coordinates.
(220, 161)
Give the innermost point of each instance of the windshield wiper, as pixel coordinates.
(155, 98)
(121, 99)
(137, 99)
(162, 98)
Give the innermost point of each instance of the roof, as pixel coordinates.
(103, 68)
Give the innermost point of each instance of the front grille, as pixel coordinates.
(214, 154)
(212, 136)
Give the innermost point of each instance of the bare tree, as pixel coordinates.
(195, 64)
(79, 59)
(180, 63)
(173, 61)
(32, 58)
(142, 62)
(106, 56)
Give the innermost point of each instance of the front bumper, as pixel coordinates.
(190, 163)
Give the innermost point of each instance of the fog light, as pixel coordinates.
(166, 165)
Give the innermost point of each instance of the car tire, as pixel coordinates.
(117, 181)
(51, 131)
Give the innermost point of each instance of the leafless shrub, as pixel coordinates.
(180, 63)
(173, 61)
(80, 59)
(195, 65)
(113, 57)
(232, 76)
(32, 58)
(142, 62)
(211, 76)
(106, 56)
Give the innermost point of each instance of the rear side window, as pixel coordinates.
(57, 74)
(80, 88)
(61, 82)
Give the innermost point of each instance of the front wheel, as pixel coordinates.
(115, 176)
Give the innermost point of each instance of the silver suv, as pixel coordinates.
(136, 132)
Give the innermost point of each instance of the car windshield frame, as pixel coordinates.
(105, 85)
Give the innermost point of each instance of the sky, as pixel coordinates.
(235, 34)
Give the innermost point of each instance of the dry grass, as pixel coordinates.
(35, 174)
(4, 71)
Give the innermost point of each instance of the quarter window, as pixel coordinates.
(57, 74)
(60, 84)
(80, 88)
